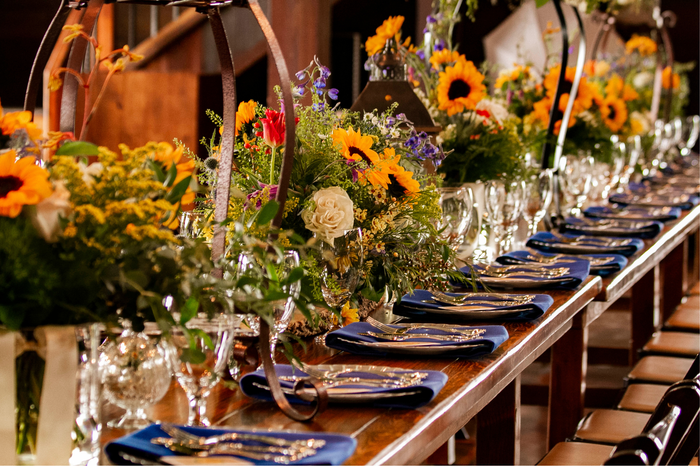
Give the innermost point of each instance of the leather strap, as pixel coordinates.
(43, 55)
(69, 96)
(319, 401)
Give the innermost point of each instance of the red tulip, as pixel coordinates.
(273, 128)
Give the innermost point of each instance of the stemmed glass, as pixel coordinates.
(504, 203)
(576, 175)
(538, 196)
(199, 353)
(634, 149)
(456, 204)
(341, 265)
(690, 129)
(609, 174)
(190, 224)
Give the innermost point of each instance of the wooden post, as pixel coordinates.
(672, 272)
(303, 28)
(645, 312)
(498, 428)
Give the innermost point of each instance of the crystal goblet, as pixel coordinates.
(456, 204)
(575, 175)
(538, 196)
(199, 352)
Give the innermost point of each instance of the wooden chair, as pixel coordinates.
(669, 437)
(655, 369)
(686, 318)
(673, 343)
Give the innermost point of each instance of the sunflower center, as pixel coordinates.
(613, 112)
(458, 88)
(395, 188)
(8, 184)
(355, 150)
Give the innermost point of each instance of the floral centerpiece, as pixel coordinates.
(350, 170)
(478, 132)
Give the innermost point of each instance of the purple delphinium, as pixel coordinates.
(420, 148)
(421, 54)
(333, 94)
(439, 45)
(352, 163)
(430, 19)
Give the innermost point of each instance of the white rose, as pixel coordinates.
(642, 80)
(90, 171)
(46, 220)
(332, 216)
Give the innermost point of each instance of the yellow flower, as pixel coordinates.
(13, 121)
(512, 75)
(443, 56)
(353, 146)
(584, 97)
(614, 113)
(402, 182)
(245, 114)
(76, 30)
(389, 28)
(596, 68)
(55, 83)
(349, 315)
(636, 127)
(550, 29)
(461, 87)
(614, 86)
(644, 45)
(670, 79)
(22, 182)
(629, 94)
(185, 167)
(540, 114)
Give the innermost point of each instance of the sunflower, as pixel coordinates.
(355, 147)
(402, 182)
(21, 182)
(444, 56)
(643, 44)
(461, 87)
(12, 121)
(584, 97)
(540, 114)
(614, 113)
(596, 68)
(670, 79)
(614, 86)
(165, 154)
(389, 28)
(245, 114)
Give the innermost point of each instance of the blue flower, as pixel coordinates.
(300, 90)
(333, 94)
(325, 72)
(320, 83)
(318, 106)
(300, 74)
(439, 45)
(430, 19)
(421, 54)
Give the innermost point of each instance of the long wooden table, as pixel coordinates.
(657, 278)
(487, 387)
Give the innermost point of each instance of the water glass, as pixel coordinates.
(199, 352)
(575, 180)
(341, 265)
(538, 196)
(690, 129)
(634, 151)
(504, 204)
(456, 204)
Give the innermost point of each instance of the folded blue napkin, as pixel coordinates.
(660, 200)
(412, 305)
(345, 338)
(612, 228)
(406, 397)
(546, 241)
(578, 272)
(137, 446)
(634, 213)
(615, 264)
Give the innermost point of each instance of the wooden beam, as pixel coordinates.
(105, 27)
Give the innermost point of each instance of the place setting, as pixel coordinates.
(169, 444)
(378, 386)
(681, 200)
(429, 339)
(600, 264)
(633, 213)
(555, 242)
(567, 274)
(611, 227)
(473, 306)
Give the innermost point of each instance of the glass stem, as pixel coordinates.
(198, 412)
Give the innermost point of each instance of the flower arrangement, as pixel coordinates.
(350, 170)
(478, 132)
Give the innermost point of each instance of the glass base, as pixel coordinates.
(130, 422)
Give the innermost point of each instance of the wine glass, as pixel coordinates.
(199, 352)
(135, 374)
(456, 204)
(689, 134)
(191, 224)
(538, 196)
(494, 200)
(512, 209)
(634, 149)
(576, 175)
(341, 265)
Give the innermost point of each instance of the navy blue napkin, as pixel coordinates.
(420, 395)
(485, 344)
(546, 241)
(336, 450)
(634, 212)
(611, 228)
(410, 304)
(578, 272)
(630, 198)
(521, 256)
